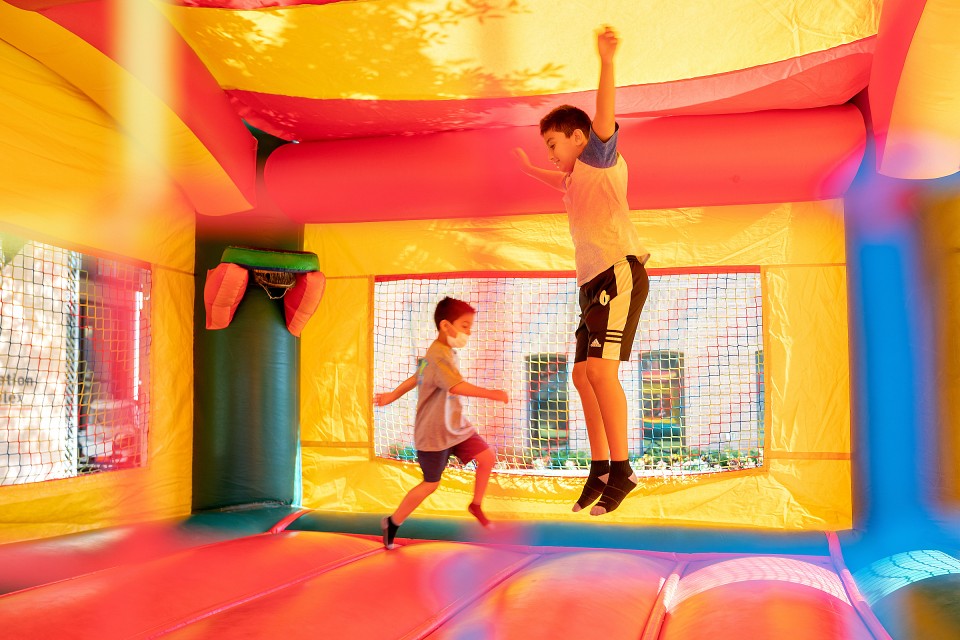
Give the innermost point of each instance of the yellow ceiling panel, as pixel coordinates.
(455, 49)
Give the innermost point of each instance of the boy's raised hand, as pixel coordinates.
(549, 177)
(383, 399)
(605, 120)
(607, 44)
(522, 157)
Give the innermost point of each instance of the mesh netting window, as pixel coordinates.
(694, 384)
(74, 340)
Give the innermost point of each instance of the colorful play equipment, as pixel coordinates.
(812, 145)
(291, 276)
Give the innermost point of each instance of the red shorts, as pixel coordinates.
(432, 463)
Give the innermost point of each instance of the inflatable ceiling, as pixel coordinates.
(757, 85)
(811, 144)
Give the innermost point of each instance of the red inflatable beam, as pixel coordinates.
(193, 95)
(815, 80)
(898, 22)
(681, 161)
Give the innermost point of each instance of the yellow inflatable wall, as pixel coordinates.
(805, 482)
(940, 236)
(71, 178)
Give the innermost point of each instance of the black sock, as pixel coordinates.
(622, 481)
(594, 485)
(389, 531)
(620, 469)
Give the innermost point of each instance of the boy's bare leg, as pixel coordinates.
(411, 501)
(603, 376)
(599, 449)
(485, 462)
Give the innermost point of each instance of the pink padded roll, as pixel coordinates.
(222, 293)
(302, 300)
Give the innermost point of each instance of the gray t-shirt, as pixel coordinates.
(439, 423)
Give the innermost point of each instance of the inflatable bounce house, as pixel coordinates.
(225, 225)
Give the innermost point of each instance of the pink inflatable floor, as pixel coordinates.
(303, 584)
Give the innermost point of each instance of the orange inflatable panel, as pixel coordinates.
(762, 597)
(576, 594)
(207, 149)
(161, 594)
(914, 94)
(680, 161)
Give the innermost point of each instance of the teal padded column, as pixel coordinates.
(246, 401)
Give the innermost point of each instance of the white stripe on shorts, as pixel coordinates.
(619, 309)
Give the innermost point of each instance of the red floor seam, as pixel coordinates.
(454, 608)
(658, 613)
(856, 598)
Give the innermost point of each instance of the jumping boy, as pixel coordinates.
(610, 273)
(440, 430)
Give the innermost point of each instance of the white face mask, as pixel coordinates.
(459, 341)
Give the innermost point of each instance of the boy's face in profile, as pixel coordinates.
(463, 324)
(564, 150)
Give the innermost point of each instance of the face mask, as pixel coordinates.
(457, 342)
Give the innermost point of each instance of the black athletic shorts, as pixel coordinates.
(610, 307)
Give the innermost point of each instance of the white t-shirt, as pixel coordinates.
(596, 201)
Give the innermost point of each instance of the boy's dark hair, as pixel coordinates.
(566, 119)
(450, 309)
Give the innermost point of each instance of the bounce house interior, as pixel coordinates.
(225, 225)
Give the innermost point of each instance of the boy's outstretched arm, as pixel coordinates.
(467, 389)
(382, 399)
(605, 120)
(552, 178)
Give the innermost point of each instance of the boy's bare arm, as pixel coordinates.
(605, 120)
(382, 399)
(547, 176)
(466, 389)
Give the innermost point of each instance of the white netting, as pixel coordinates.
(74, 339)
(694, 384)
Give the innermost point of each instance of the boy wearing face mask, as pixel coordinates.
(440, 430)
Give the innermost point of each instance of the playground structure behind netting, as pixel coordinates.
(74, 350)
(694, 384)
